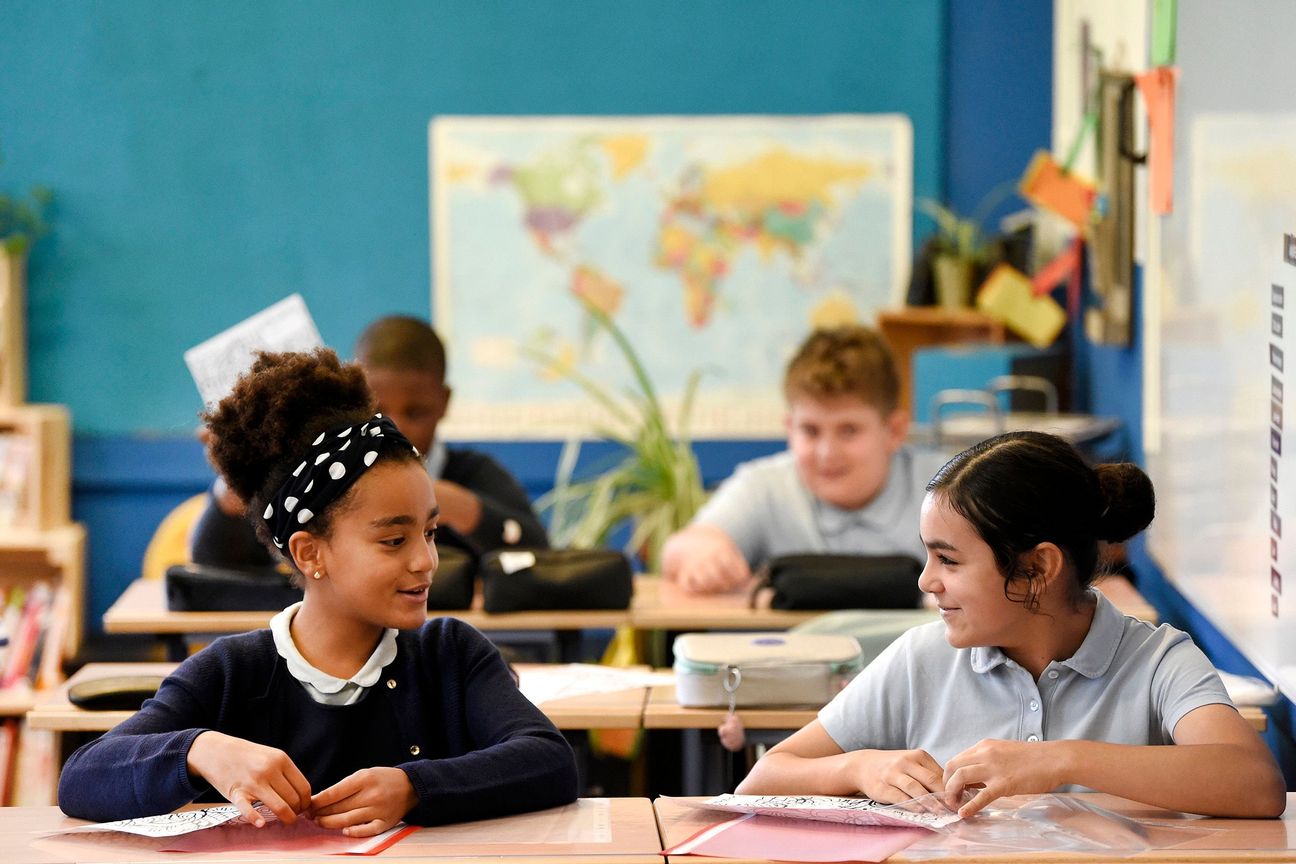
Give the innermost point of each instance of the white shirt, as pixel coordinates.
(323, 687)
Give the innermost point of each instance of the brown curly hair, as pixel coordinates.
(852, 360)
(281, 404)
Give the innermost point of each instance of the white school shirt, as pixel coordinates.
(1129, 683)
(767, 511)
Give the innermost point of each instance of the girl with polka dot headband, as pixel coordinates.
(352, 709)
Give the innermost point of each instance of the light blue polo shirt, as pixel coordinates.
(767, 511)
(1129, 683)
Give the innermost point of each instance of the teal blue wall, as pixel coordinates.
(210, 158)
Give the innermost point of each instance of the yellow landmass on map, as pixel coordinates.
(776, 177)
(458, 172)
(626, 152)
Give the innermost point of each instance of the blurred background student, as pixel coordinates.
(846, 483)
(481, 503)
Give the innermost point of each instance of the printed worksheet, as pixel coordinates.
(217, 363)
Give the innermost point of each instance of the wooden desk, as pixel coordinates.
(1231, 839)
(662, 605)
(142, 609)
(657, 605)
(663, 712)
(622, 709)
(634, 840)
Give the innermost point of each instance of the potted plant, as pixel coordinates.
(961, 247)
(22, 222)
(656, 485)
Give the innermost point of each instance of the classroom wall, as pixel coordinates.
(209, 159)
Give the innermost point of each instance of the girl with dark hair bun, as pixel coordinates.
(1032, 682)
(353, 708)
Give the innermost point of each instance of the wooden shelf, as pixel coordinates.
(17, 700)
(913, 327)
(56, 555)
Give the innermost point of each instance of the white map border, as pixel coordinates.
(712, 417)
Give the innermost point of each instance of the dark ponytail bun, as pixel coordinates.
(1126, 501)
(275, 410)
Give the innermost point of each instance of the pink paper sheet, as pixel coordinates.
(304, 836)
(796, 840)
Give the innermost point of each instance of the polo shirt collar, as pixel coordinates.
(1101, 642)
(1096, 652)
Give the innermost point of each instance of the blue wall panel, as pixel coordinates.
(210, 158)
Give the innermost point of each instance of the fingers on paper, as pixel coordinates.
(243, 800)
(336, 798)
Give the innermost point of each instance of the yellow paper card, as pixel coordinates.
(1008, 295)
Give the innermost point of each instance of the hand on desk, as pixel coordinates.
(245, 772)
(893, 776)
(999, 769)
(367, 802)
(704, 560)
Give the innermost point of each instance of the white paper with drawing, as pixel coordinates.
(218, 362)
(168, 824)
(926, 812)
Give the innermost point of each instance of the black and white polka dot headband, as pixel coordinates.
(336, 459)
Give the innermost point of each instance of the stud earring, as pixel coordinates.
(319, 575)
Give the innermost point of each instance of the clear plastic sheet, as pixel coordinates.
(1045, 823)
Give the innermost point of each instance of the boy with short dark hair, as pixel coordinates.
(846, 483)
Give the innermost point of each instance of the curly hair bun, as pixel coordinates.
(275, 409)
(1127, 502)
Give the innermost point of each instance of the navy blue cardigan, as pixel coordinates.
(452, 719)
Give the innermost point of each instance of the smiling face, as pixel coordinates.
(414, 399)
(380, 554)
(962, 576)
(842, 447)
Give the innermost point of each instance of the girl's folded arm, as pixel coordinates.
(1218, 766)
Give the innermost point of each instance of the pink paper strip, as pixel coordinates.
(767, 837)
(304, 836)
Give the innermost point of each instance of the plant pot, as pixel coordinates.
(13, 336)
(954, 278)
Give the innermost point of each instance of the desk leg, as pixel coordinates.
(177, 648)
(568, 645)
(701, 770)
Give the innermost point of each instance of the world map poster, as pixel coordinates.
(715, 244)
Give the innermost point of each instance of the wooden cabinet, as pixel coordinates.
(42, 553)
